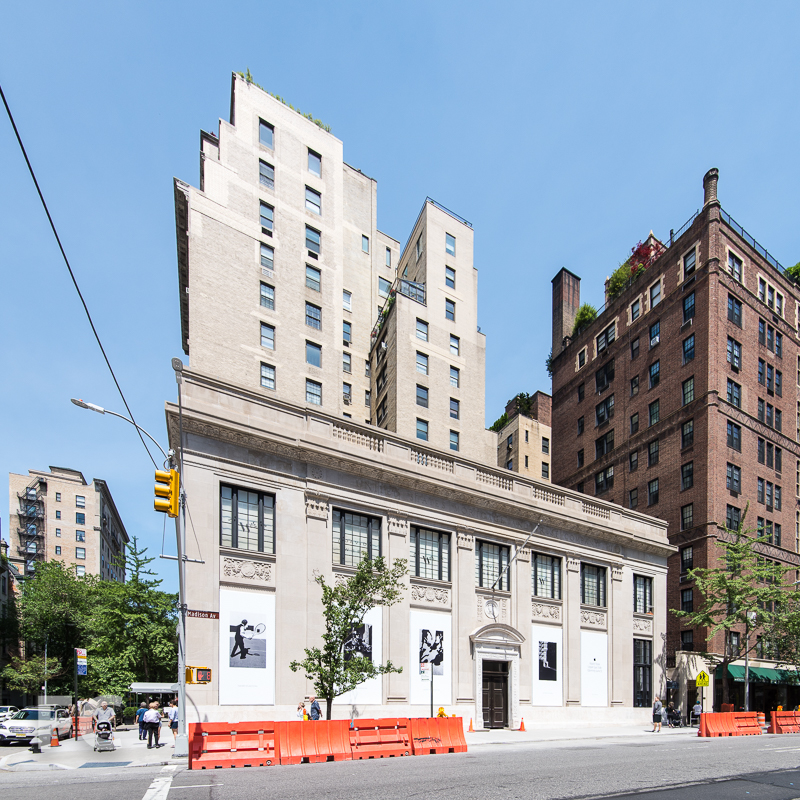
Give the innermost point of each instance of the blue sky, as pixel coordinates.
(563, 131)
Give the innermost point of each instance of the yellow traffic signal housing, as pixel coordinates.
(198, 675)
(167, 492)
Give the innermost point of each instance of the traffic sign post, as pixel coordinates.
(426, 674)
(701, 681)
(79, 654)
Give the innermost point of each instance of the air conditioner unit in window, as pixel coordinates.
(348, 398)
(384, 346)
(655, 340)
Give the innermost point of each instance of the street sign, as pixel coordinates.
(202, 614)
(82, 669)
(80, 652)
(702, 679)
(198, 675)
(425, 671)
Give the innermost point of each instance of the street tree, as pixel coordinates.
(130, 628)
(29, 674)
(336, 668)
(746, 590)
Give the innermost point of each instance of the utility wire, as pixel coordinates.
(72, 274)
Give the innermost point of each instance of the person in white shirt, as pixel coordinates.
(152, 719)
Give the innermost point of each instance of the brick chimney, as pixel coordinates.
(566, 301)
(710, 186)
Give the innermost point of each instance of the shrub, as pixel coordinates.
(794, 272)
(586, 315)
(499, 423)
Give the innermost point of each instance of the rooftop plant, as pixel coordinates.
(319, 123)
(586, 315)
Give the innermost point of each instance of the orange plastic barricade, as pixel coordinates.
(213, 745)
(726, 708)
(315, 741)
(453, 727)
(427, 736)
(84, 725)
(785, 722)
(716, 725)
(745, 723)
(380, 738)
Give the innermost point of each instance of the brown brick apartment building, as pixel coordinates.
(681, 400)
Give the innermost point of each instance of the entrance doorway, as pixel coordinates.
(495, 694)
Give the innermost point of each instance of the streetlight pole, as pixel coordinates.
(749, 617)
(182, 740)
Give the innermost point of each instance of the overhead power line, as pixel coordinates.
(72, 274)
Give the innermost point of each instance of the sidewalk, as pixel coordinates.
(71, 754)
(572, 733)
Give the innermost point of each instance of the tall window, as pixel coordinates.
(604, 376)
(313, 278)
(688, 349)
(267, 376)
(687, 558)
(313, 241)
(735, 266)
(422, 363)
(450, 244)
(315, 163)
(313, 392)
(688, 390)
(604, 480)
(491, 561)
(655, 374)
(687, 476)
(689, 263)
(546, 575)
(688, 307)
(734, 353)
(642, 594)
(734, 310)
(422, 330)
(455, 377)
(655, 333)
(687, 517)
(266, 134)
(604, 410)
(268, 296)
(347, 362)
(735, 436)
(455, 345)
(422, 396)
(267, 256)
(455, 409)
(347, 333)
(313, 316)
(634, 423)
(733, 518)
(247, 519)
(654, 410)
(313, 354)
(733, 480)
(267, 218)
(606, 337)
(642, 673)
(347, 300)
(687, 600)
(355, 536)
(430, 554)
(454, 441)
(734, 393)
(422, 430)
(450, 277)
(593, 585)
(266, 174)
(365, 244)
(267, 336)
(652, 492)
(384, 287)
(655, 294)
(450, 310)
(313, 201)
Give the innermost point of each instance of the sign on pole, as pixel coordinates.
(702, 679)
(425, 671)
(80, 660)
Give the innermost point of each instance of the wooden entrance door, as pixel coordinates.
(495, 694)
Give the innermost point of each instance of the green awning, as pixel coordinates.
(759, 674)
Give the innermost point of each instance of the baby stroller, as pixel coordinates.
(104, 736)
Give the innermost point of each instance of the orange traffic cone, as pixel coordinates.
(471, 729)
(54, 738)
(522, 725)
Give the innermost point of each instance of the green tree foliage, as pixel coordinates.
(524, 405)
(794, 272)
(130, 631)
(586, 315)
(745, 590)
(127, 628)
(332, 669)
(28, 674)
(499, 423)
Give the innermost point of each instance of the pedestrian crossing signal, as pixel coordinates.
(167, 492)
(198, 675)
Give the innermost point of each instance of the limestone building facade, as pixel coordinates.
(524, 443)
(58, 515)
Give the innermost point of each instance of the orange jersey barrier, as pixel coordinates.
(745, 723)
(784, 722)
(233, 744)
(380, 738)
(437, 735)
(729, 723)
(315, 741)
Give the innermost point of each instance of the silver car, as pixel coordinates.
(30, 722)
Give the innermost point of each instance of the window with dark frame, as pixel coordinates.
(634, 348)
(354, 536)
(491, 562)
(687, 434)
(604, 410)
(642, 594)
(247, 519)
(430, 554)
(687, 600)
(688, 307)
(633, 498)
(733, 479)
(733, 518)
(546, 575)
(593, 585)
(652, 492)
(734, 393)
(266, 134)
(734, 310)
(266, 174)
(654, 412)
(688, 390)
(633, 460)
(688, 349)
(604, 480)
(654, 372)
(687, 476)
(687, 558)
(634, 423)
(734, 436)
(642, 673)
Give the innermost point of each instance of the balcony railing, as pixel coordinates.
(416, 291)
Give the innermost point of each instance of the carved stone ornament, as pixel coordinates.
(595, 618)
(397, 524)
(465, 541)
(524, 555)
(545, 611)
(430, 594)
(616, 573)
(643, 625)
(316, 506)
(251, 570)
(573, 564)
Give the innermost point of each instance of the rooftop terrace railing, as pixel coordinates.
(762, 251)
(416, 291)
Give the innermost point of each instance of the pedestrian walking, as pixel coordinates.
(315, 712)
(301, 710)
(658, 710)
(105, 714)
(140, 712)
(172, 713)
(152, 719)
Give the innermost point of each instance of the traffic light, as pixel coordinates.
(167, 492)
(198, 675)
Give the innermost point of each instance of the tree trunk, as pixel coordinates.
(329, 703)
(725, 686)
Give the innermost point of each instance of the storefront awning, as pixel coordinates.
(759, 674)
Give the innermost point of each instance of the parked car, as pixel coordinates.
(30, 722)
(7, 711)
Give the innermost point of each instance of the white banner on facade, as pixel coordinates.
(246, 648)
(430, 643)
(367, 641)
(548, 684)
(594, 669)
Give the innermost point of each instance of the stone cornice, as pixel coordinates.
(306, 440)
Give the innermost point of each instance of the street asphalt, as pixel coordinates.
(675, 766)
